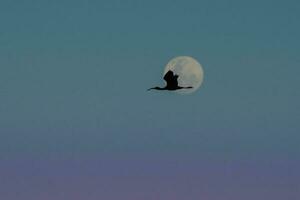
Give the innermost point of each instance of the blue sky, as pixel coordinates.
(74, 74)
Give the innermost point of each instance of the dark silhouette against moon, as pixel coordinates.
(172, 83)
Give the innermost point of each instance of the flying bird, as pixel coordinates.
(172, 83)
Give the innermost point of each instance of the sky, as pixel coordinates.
(76, 121)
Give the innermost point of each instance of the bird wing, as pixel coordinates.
(171, 79)
(168, 76)
(175, 81)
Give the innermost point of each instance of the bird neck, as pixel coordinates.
(157, 88)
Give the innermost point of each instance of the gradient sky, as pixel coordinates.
(73, 80)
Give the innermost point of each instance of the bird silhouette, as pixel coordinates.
(172, 83)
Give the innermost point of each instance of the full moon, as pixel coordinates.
(189, 70)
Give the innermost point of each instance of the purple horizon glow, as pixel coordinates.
(147, 179)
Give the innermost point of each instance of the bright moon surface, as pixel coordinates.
(189, 70)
